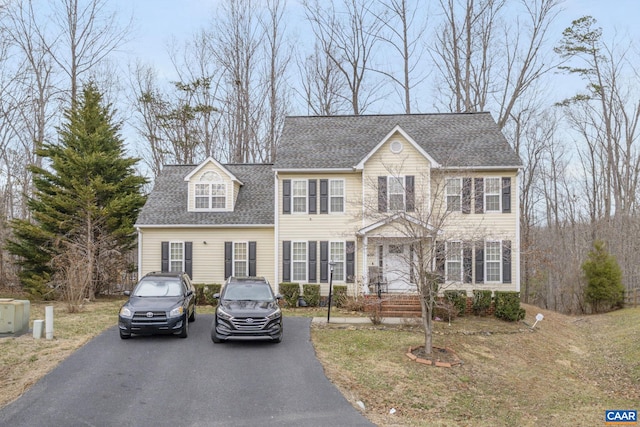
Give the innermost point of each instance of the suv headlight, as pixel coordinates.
(125, 312)
(223, 314)
(178, 311)
(276, 314)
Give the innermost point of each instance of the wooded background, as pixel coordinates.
(567, 101)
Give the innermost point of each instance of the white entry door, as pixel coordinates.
(396, 267)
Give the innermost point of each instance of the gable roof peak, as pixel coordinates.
(220, 166)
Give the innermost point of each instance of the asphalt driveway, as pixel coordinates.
(168, 381)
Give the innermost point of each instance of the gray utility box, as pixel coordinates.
(14, 316)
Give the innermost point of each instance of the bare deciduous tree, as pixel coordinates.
(349, 38)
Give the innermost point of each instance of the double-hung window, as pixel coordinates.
(176, 256)
(492, 193)
(453, 194)
(210, 192)
(454, 261)
(336, 195)
(396, 193)
(492, 259)
(337, 256)
(299, 196)
(299, 261)
(240, 259)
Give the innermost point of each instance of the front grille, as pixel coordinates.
(249, 323)
(141, 318)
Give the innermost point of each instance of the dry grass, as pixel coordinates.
(566, 372)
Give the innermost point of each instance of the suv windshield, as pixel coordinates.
(159, 287)
(248, 292)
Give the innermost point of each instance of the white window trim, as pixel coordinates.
(234, 259)
(486, 261)
(344, 197)
(446, 195)
(446, 262)
(305, 261)
(172, 260)
(499, 194)
(343, 262)
(210, 197)
(402, 180)
(306, 197)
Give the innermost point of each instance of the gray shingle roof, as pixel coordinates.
(453, 140)
(167, 203)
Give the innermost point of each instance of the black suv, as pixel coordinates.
(247, 310)
(161, 303)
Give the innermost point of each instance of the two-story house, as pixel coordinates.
(351, 198)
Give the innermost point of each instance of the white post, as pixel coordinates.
(48, 317)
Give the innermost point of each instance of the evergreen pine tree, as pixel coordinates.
(604, 279)
(87, 193)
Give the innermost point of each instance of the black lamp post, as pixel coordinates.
(331, 265)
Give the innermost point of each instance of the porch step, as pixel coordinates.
(394, 305)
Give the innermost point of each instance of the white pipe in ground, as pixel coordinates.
(48, 317)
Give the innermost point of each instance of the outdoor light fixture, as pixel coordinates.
(331, 266)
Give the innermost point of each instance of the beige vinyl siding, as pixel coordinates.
(208, 258)
(321, 227)
(409, 162)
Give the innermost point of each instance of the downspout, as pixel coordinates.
(276, 230)
(517, 251)
(139, 252)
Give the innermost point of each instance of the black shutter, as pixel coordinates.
(228, 259)
(188, 259)
(351, 265)
(252, 259)
(467, 262)
(382, 194)
(479, 262)
(165, 257)
(506, 261)
(313, 201)
(409, 184)
(313, 270)
(286, 196)
(479, 199)
(506, 195)
(324, 262)
(466, 195)
(440, 261)
(286, 261)
(324, 196)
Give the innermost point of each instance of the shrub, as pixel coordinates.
(604, 279)
(205, 291)
(339, 295)
(311, 293)
(444, 310)
(481, 301)
(290, 292)
(508, 306)
(458, 298)
(353, 304)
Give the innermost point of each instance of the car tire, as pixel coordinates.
(124, 335)
(214, 337)
(192, 317)
(185, 329)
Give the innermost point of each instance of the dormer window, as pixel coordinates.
(210, 192)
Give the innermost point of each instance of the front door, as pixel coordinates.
(395, 267)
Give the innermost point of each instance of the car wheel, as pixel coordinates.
(124, 335)
(192, 317)
(185, 329)
(214, 337)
